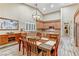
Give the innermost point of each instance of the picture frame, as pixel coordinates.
(66, 29)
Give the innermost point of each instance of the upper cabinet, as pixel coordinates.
(57, 25)
(46, 24)
(39, 25)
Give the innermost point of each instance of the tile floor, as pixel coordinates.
(13, 51)
(10, 51)
(66, 48)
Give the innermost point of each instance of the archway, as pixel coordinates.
(76, 28)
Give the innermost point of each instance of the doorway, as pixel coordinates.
(76, 22)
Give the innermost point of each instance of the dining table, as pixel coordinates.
(45, 44)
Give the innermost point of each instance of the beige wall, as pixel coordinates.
(68, 17)
(68, 43)
(23, 14)
(53, 16)
(20, 12)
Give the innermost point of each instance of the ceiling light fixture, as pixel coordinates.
(35, 14)
(44, 9)
(51, 5)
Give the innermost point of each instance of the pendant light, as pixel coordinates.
(35, 14)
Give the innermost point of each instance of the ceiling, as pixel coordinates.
(46, 8)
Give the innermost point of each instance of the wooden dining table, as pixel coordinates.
(47, 46)
(44, 44)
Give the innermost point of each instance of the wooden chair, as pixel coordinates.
(55, 52)
(58, 40)
(44, 53)
(39, 34)
(34, 47)
(28, 48)
(21, 41)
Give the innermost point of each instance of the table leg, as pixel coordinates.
(48, 53)
(23, 47)
(19, 45)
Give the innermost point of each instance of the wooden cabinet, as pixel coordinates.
(4, 39)
(39, 24)
(46, 24)
(56, 25)
(53, 36)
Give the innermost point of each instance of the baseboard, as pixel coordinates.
(7, 45)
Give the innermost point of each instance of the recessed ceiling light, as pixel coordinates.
(51, 5)
(44, 9)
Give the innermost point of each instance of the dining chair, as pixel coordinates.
(21, 41)
(27, 44)
(39, 34)
(44, 53)
(34, 48)
(57, 45)
(55, 49)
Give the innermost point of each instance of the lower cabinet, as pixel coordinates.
(4, 39)
(53, 36)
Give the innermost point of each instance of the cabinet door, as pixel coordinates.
(39, 25)
(4, 39)
(57, 25)
(0, 40)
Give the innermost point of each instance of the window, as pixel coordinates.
(30, 26)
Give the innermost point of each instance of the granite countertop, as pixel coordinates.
(33, 37)
(49, 32)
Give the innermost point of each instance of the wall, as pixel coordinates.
(67, 43)
(53, 16)
(16, 11)
(68, 17)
